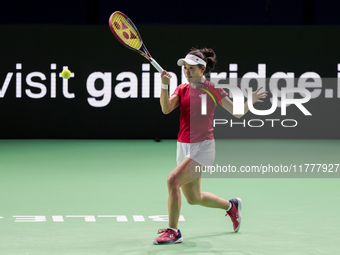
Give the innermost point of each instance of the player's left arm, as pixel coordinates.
(228, 104)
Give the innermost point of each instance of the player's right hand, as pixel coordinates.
(165, 77)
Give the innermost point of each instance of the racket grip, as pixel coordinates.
(156, 65)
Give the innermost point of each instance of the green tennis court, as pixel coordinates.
(110, 197)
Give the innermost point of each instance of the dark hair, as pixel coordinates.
(208, 55)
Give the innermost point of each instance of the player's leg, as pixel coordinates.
(194, 196)
(203, 152)
(185, 177)
(179, 176)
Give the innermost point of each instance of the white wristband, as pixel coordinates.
(164, 86)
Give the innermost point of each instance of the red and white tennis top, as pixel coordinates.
(195, 127)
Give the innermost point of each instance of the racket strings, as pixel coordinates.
(126, 32)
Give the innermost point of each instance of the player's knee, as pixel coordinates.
(172, 181)
(193, 201)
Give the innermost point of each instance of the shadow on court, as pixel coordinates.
(192, 245)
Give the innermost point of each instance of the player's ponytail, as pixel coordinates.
(208, 55)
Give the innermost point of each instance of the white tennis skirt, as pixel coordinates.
(202, 152)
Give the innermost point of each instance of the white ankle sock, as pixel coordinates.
(231, 205)
(176, 230)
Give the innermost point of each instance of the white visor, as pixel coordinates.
(191, 60)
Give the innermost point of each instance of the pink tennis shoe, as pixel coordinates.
(235, 213)
(168, 237)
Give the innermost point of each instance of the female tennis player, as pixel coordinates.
(195, 143)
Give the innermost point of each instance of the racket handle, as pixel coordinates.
(156, 65)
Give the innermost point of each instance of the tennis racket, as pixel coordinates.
(126, 32)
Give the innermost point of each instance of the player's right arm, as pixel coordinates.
(167, 104)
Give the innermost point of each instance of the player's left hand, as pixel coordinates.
(257, 96)
(165, 76)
